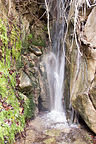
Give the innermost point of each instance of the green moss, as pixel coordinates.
(39, 42)
(31, 65)
(50, 140)
(30, 109)
(31, 40)
(36, 40)
(53, 132)
(11, 120)
(45, 29)
(19, 64)
(30, 106)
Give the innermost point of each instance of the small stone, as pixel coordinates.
(23, 96)
(35, 50)
(32, 56)
(50, 141)
(42, 68)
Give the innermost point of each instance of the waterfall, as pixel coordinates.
(55, 62)
(55, 74)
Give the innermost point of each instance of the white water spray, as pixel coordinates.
(55, 67)
(55, 75)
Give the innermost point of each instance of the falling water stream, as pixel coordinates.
(55, 66)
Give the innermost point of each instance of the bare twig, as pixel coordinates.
(40, 17)
(48, 24)
(32, 13)
(87, 1)
(90, 5)
(67, 59)
(9, 11)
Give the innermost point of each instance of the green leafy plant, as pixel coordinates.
(31, 40)
(12, 118)
(36, 41)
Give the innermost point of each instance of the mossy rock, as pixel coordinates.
(50, 141)
(52, 132)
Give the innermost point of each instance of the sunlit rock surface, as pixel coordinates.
(93, 93)
(24, 81)
(90, 28)
(83, 71)
(86, 109)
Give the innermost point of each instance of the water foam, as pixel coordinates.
(57, 117)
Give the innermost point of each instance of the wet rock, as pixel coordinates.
(35, 50)
(30, 136)
(44, 90)
(38, 133)
(84, 106)
(53, 132)
(50, 141)
(25, 81)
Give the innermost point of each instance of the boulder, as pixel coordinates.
(83, 92)
(84, 106)
(83, 74)
(25, 81)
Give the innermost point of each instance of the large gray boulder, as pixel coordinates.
(83, 73)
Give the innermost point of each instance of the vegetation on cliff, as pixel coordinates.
(12, 112)
(15, 39)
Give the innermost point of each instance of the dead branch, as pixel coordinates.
(48, 23)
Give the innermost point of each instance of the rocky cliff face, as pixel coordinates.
(34, 39)
(83, 62)
(30, 17)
